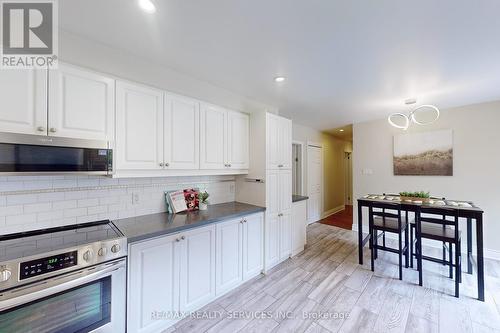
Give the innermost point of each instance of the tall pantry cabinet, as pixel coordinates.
(278, 227)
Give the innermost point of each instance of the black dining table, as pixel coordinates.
(473, 214)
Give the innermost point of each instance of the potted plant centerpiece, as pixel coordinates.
(203, 197)
(415, 196)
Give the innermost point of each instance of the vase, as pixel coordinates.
(203, 206)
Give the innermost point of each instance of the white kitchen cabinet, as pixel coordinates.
(224, 138)
(299, 223)
(229, 255)
(153, 284)
(237, 140)
(197, 272)
(272, 241)
(213, 137)
(81, 104)
(182, 133)
(239, 251)
(139, 127)
(272, 141)
(253, 246)
(23, 94)
(278, 142)
(285, 227)
(285, 190)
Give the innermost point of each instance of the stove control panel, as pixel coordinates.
(45, 265)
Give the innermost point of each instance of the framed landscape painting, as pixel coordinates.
(424, 154)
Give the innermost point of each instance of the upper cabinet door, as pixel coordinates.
(213, 137)
(238, 140)
(285, 144)
(285, 190)
(81, 104)
(182, 132)
(139, 127)
(23, 94)
(272, 141)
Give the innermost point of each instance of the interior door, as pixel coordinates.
(229, 255)
(139, 127)
(213, 137)
(197, 282)
(182, 130)
(253, 246)
(238, 140)
(314, 182)
(153, 284)
(81, 104)
(23, 94)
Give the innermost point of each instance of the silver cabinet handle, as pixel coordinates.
(241, 222)
(167, 164)
(40, 129)
(229, 165)
(280, 165)
(53, 130)
(161, 164)
(177, 239)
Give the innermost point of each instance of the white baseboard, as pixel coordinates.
(332, 211)
(488, 253)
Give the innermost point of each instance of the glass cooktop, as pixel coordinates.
(20, 245)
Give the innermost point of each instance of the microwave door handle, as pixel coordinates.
(53, 286)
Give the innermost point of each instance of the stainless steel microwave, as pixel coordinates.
(22, 154)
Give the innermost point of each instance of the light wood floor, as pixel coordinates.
(337, 295)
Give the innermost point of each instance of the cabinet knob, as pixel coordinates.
(241, 222)
(53, 130)
(40, 129)
(167, 164)
(183, 237)
(280, 165)
(161, 164)
(229, 165)
(177, 239)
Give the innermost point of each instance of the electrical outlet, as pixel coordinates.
(136, 198)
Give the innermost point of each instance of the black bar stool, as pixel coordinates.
(388, 219)
(436, 225)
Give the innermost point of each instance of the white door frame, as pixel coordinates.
(320, 146)
(302, 154)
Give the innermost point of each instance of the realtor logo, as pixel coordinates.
(29, 34)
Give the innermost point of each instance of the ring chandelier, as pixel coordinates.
(412, 117)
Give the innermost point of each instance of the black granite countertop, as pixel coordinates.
(296, 198)
(148, 226)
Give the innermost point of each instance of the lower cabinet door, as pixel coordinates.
(197, 262)
(272, 240)
(285, 235)
(229, 248)
(153, 285)
(253, 246)
(299, 221)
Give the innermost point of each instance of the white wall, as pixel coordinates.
(476, 163)
(77, 50)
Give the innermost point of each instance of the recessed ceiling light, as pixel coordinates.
(148, 6)
(279, 79)
(341, 130)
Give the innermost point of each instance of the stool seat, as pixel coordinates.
(389, 223)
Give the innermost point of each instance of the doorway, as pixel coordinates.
(314, 182)
(297, 169)
(348, 178)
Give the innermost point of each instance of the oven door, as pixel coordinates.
(89, 300)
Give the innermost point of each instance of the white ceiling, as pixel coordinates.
(345, 61)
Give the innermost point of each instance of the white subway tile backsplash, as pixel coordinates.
(38, 207)
(28, 203)
(65, 204)
(88, 202)
(75, 212)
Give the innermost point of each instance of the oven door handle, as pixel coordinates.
(30, 293)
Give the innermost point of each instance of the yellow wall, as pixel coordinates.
(333, 171)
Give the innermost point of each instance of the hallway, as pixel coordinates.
(342, 219)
